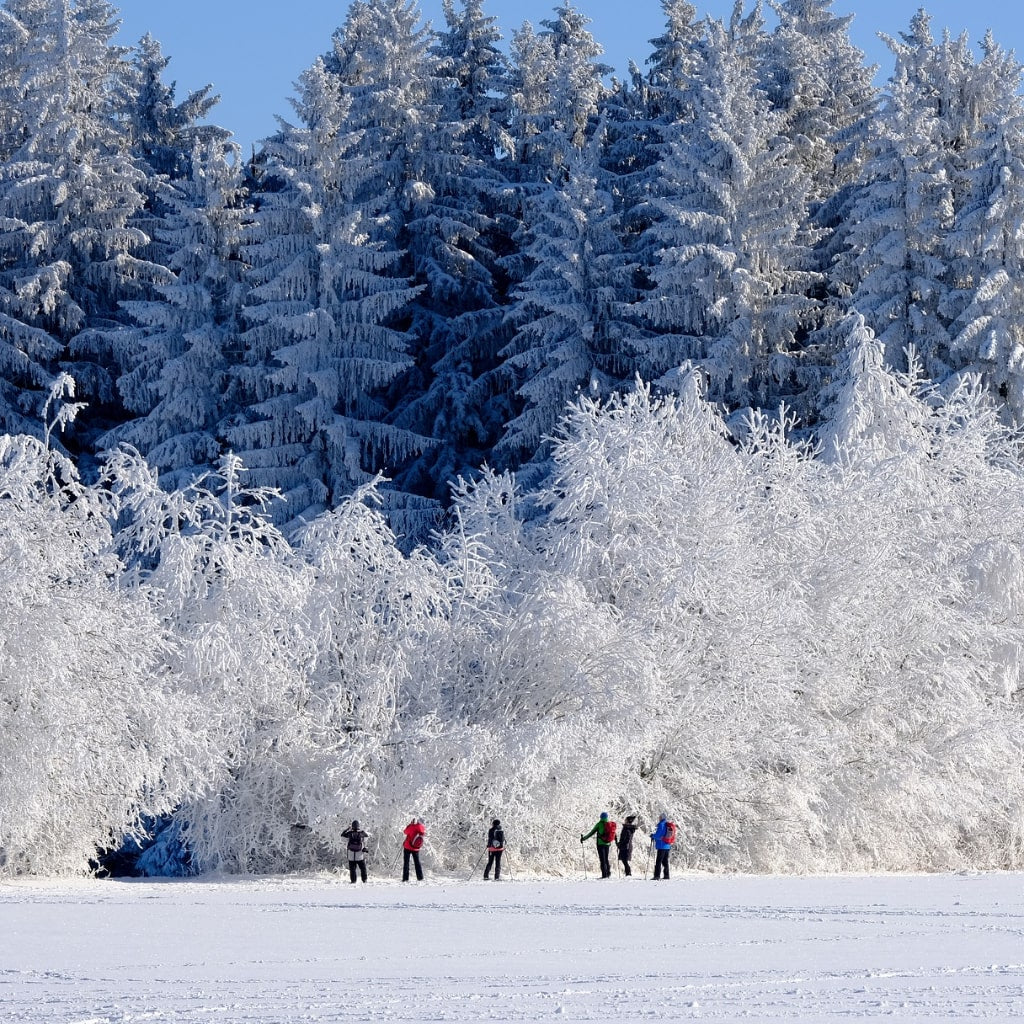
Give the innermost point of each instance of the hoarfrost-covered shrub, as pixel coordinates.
(819, 672)
(299, 655)
(808, 656)
(94, 734)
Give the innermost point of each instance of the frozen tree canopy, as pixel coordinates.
(812, 656)
(504, 439)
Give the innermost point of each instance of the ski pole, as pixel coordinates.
(583, 854)
(647, 866)
(511, 877)
(475, 866)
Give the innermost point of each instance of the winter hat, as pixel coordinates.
(495, 823)
(604, 815)
(355, 824)
(630, 817)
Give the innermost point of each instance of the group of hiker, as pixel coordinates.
(607, 832)
(355, 838)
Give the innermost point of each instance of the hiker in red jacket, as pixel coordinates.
(605, 832)
(414, 834)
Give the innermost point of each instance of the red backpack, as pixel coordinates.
(670, 832)
(609, 831)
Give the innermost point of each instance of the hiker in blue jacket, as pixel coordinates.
(662, 844)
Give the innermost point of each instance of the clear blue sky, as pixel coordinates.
(253, 51)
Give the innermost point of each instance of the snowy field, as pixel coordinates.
(284, 950)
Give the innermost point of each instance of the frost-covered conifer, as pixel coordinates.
(445, 130)
(180, 351)
(821, 84)
(985, 249)
(569, 311)
(320, 349)
(869, 408)
(556, 91)
(643, 118)
(68, 193)
(895, 258)
(730, 273)
(476, 71)
(673, 63)
(163, 130)
(817, 80)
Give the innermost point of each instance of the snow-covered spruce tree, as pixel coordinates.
(429, 111)
(730, 277)
(476, 71)
(465, 406)
(643, 116)
(15, 20)
(68, 192)
(319, 348)
(672, 64)
(985, 247)
(165, 138)
(748, 30)
(819, 81)
(663, 98)
(556, 90)
(165, 131)
(179, 352)
(895, 259)
(95, 732)
(570, 328)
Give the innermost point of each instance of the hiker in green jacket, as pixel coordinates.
(605, 832)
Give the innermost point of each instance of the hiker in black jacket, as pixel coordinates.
(356, 850)
(495, 848)
(625, 842)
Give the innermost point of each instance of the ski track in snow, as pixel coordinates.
(315, 949)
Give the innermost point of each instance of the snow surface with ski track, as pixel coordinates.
(718, 948)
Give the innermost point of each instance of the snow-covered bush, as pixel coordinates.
(831, 667)
(809, 656)
(95, 734)
(299, 655)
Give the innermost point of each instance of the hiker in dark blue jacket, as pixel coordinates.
(495, 848)
(624, 843)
